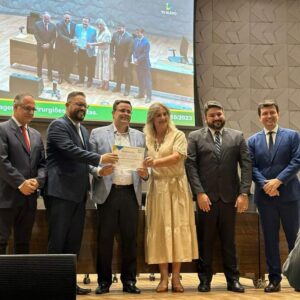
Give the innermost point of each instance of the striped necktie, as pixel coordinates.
(218, 143)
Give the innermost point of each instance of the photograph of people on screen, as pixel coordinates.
(137, 50)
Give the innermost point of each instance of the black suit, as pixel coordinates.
(68, 163)
(121, 48)
(17, 165)
(42, 37)
(65, 48)
(218, 178)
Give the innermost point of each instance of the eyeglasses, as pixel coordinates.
(81, 105)
(123, 110)
(28, 109)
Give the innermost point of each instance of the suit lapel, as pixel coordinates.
(111, 135)
(18, 134)
(277, 143)
(209, 140)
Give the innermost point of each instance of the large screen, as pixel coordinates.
(138, 50)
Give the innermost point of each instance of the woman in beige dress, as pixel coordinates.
(170, 222)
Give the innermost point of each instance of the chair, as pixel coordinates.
(183, 58)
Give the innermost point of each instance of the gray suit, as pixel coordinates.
(17, 165)
(218, 177)
(101, 140)
(117, 210)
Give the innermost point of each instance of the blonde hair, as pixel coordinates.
(149, 128)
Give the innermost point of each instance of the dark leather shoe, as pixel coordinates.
(102, 288)
(235, 286)
(273, 287)
(204, 287)
(81, 291)
(131, 288)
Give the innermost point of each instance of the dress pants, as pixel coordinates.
(221, 220)
(118, 213)
(41, 52)
(271, 213)
(86, 63)
(66, 63)
(66, 224)
(122, 73)
(21, 219)
(145, 81)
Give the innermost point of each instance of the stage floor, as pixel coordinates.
(190, 283)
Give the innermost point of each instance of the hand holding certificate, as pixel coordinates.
(130, 158)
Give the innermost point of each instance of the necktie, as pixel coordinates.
(218, 143)
(26, 139)
(271, 142)
(68, 27)
(79, 133)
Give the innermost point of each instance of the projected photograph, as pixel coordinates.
(137, 50)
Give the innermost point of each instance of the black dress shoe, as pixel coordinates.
(131, 288)
(204, 287)
(273, 287)
(81, 291)
(102, 288)
(235, 286)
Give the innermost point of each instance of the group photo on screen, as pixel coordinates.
(137, 50)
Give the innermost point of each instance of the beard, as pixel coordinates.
(216, 125)
(78, 116)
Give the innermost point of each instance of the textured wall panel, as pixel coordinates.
(293, 55)
(268, 11)
(231, 55)
(268, 55)
(204, 10)
(204, 53)
(268, 77)
(231, 10)
(203, 32)
(293, 33)
(267, 33)
(231, 32)
(293, 10)
(231, 77)
(294, 77)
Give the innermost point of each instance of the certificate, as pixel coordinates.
(130, 158)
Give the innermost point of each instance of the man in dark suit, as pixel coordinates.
(121, 52)
(141, 58)
(118, 194)
(214, 154)
(22, 173)
(275, 153)
(68, 160)
(65, 47)
(45, 35)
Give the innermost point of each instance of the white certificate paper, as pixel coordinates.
(130, 158)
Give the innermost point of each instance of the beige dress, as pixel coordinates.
(170, 221)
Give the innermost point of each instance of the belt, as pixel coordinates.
(118, 186)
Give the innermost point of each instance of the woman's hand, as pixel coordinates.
(149, 162)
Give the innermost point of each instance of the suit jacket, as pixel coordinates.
(68, 161)
(64, 36)
(17, 164)
(90, 38)
(141, 52)
(218, 177)
(121, 47)
(44, 37)
(283, 163)
(102, 139)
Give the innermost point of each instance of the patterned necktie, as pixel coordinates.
(25, 136)
(218, 143)
(79, 132)
(271, 142)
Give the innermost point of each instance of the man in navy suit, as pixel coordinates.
(45, 35)
(275, 155)
(22, 173)
(65, 47)
(86, 35)
(68, 158)
(141, 50)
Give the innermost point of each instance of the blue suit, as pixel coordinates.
(141, 50)
(86, 56)
(282, 163)
(117, 209)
